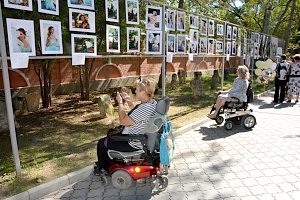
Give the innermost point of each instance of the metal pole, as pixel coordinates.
(10, 114)
(163, 68)
(224, 54)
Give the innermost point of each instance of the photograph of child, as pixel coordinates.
(181, 43)
(203, 26)
(229, 32)
(133, 40)
(219, 47)
(84, 44)
(194, 21)
(170, 20)
(112, 10)
(154, 41)
(48, 6)
(203, 45)
(220, 30)
(132, 12)
(82, 20)
(112, 38)
(234, 32)
(171, 43)
(153, 17)
(211, 28)
(19, 4)
(210, 46)
(180, 21)
(51, 37)
(83, 4)
(21, 37)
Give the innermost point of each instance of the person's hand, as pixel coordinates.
(119, 98)
(125, 96)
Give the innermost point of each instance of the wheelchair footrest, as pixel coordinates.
(125, 155)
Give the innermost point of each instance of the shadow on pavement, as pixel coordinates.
(276, 105)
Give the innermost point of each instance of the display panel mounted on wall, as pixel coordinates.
(51, 37)
(153, 17)
(82, 4)
(84, 44)
(19, 4)
(112, 38)
(153, 42)
(112, 10)
(132, 12)
(81, 20)
(133, 39)
(48, 6)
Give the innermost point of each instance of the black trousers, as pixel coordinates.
(103, 159)
(279, 89)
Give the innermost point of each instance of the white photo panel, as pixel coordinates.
(203, 26)
(171, 43)
(234, 32)
(153, 42)
(170, 20)
(203, 45)
(132, 12)
(229, 32)
(153, 18)
(210, 46)
(180, 21)
(21, 37)
(49, 7)
(220, 30)
(194, 20)
(219, 47)
(81, 20)
(18, 4)
(84, 44)
(112, 38)
(82, 4)
(181, 43)
(112, 10)
(51, 37)
(133, 40)
(211, 28)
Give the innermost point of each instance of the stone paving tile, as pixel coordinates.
(211, 163)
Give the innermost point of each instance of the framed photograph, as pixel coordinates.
(112, 10)
(245, 37)
(211, 28)
(84, 44)
(171, 43)
(233, 48)
(239, 34)
(21, 37)
(256, 38)
(153, 17)
(133, 40)
(132, 12)
(194, 35)
(180, 21)
(170, 20)
(220, 30)
(81, 20)
(181, 43)
(19, 4)
(210, 46)
(228, 47)
(112, 38)
(194, 21)
(153, 42)
(203, 45)
(203, 26)
(229, 32)
(82, 4)
(239, 49)
(193, 47)
(219, 46)
(234, 33)
(48, 6)
(51, 37)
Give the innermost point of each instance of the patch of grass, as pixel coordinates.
(56, 141)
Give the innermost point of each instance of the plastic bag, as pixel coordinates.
(166, 144)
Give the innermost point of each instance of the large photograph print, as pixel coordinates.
(112, 38)
(48, 6)
(21, 37)
(133, 39)
(170, 20)
(181, 43)
(171, 43)
(19, 4)
(112, 10)
(153, 17)
(83, 4)
(81, 20)
(84, 44)
(132, 12)
(51, 37)
(154, 42)
(180, 21)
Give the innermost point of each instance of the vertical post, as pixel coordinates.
(10, 115)
(224, 54)
(163, 68)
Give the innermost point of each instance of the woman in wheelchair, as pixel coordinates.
(238, 91)
(134, 122)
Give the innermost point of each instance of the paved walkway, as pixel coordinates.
(211, 163)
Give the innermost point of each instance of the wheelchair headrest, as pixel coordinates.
(163, 105)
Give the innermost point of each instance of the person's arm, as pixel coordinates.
(124, 119)
(127, 99)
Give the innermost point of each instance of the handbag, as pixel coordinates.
(115, 131)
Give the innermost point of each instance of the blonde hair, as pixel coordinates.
(243, 72)
(148, 85)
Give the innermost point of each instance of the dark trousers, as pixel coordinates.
(102, 147)
(279, 88)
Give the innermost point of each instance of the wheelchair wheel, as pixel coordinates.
(228, 125)
(248, 121)
(121, 180)
(161, 182)
(219, 119)
(103, 180)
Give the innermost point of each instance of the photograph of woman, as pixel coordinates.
(180, 21)
(23, 44)
(229, 32)
(193, 21)
(203, 45)
(203, 26)
(211, 28)
(48, 6)
(83, 21)
(211, 44)
(19, 4)
(84, 4)
(220, 29)
(153, 18)
(170, 20)
(154, 41)
(181, 43)
(171, 43)
(51, 37)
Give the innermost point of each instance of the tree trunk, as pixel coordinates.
(289, 27)
(180, 4)
(267, 17)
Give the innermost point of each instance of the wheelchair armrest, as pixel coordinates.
(127, 137)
